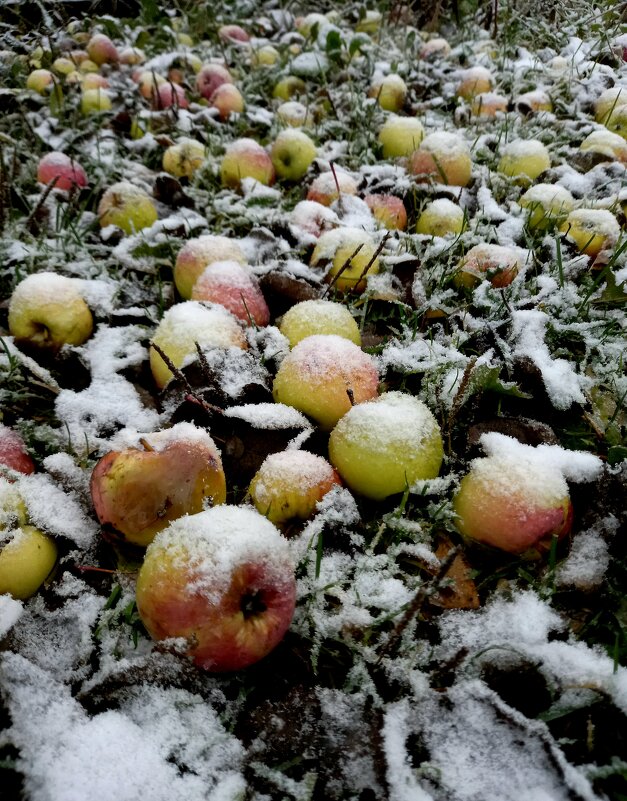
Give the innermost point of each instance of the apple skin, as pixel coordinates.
(184, 158)
(26, 561)
(228, 99)
(384, 445)
(444, 158)
(233, 34)
(245, 158)
(317, 374)
(94, 80)
(95, 101)
(388, 210)
(617, 121)
(608, 101)
(318, 317)
(127, 206)
(224, 581)
(46, 311)
(548, 204)
(40, 81)
(234, 286)
(400, 136)
(292, 154)
(474, 81)
(496, 263)
(592, 230)
(289, 86)
(441, 217)
(336, 247)
(148, 82)
(290, 483)
(199, 252)
(101, 50)
(68, 172)
(488, 104)
(508, 506)
(607, 143)
(323, 188)
(390, 92)
(210, 77)
(169, 95)
(13, 453)
(139, 492)
(524, 160)
(186, 324)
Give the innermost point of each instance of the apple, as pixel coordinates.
(187, 324)
(441, 217)
(245, 158)
(169, 95)
(234, 286)
(524, 160)
(233, 34)
(127, 206)
(513, 503)
(295, 114)
(592, 230)
(617, 121)
(474, 81)
(148, 81)
(323, 376)
(496, 263)
(101, 50)
(290, 483)
(370, 22)
(27, 557)
(132, 56)
(324, 188)
(265, 56)
(184, 158)
(47, 311)
(488, 105)
(548, 204)
(40, 81)
(228, 99)
(197, 253)
(13, 453)
(607, 143)
(94, 80)
(305, 25)
(95, 101)
(385, 445)
(140, 490)
(287, 87)
(336, 249)
(78, 56)
(310, 219)
(224, 581)
(292, 154)
(87, 65)
(534, 101)
(444, 158)
(608, 101)
(388, 210)
(209, 77)
(390, 92)
(435, 47)
(64, 66)
(318, 317)
(68, 173)
(400, 136)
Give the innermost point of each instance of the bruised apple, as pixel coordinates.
(140, 490)
(323, 376)
(383, 446)
(496, 263)
(223, 580)
(290, 483)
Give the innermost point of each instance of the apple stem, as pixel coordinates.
(351, 395)
(91, 569)
(146, 445)
(337, 186)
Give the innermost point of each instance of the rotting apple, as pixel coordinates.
(400, 136)
(292, 154)
(67, 172)
(140, 490)
(128, 207)
(46, 311)
(199, 252)
(349, 254)
(290, 483)
(442, 157)
(385, 445)
(234, 286)
(318, 316)
(533, 102)
(246, 158)
(323, 376)
(441, 217)
(187, 324)
(496, 263)
(224, 581)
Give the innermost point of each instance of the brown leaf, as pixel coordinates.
(462, 592)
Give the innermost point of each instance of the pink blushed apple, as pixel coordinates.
(388, 210)
(197, 253)
(228, 99)
(13, 453)
(234, 286)
(169, 95)
(246, 158)
(496, 263)
(210, 77)
(324, 188)
(223, 580)
(444, 158)
(68, 173)
(234, 34)
(101, 50)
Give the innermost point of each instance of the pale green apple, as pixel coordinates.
(292, 154)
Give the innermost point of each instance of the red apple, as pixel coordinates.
(233, 34)
(228, 99)
(224, 581)
(140, 490)
(210, 77)
(169, 94)
(68, 172)
(13, 453)
(235, 287)
(101, 50)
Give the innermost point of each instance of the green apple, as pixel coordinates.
(548, 204)
(524, 160)
(592, 230)
(127, 206)
(318, 317)
(292, 154)
(441, 217)
(27, 557)
(400, 136)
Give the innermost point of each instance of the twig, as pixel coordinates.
(193, 395)
(375, 256)
(342, 269)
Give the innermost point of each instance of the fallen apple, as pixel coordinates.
(524, 160)
(228, 99)
(474, 81)
(140, 490)
(245, 158)
(390, 92)
(234, 286)
(592, 230)
(349, 255)
(548, 204)
(184, 158)
(13, 453)
(389, 210)
(128, 207)
(60, 168)
(209, 77)
(101, 50)
(400, 136)
(318, 317)
(27, 557)
(292, 154)
(496, 263)
(328, 186)
(441, 217)
(197, 253)
(224, 581)
(444, 158)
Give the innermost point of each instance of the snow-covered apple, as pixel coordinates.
(524, 160)
(184, 158)
(548, 204)
(187, 324)
(47, 311)
(67, 172)
(197, 253)
(139, 490)
(318, 317)
(390, 92)
(441, 217)
(349, 256)
(488, 105)
(324, 188)
(385, 445)
(224, 581)
(400, 136)
(323, 376)
(442, 157)
(128, 207)
(592, 230)
(474, 81)
(27, 557)
(290, 483)
(13, 453)
(496, 263)
(234, 286)
(246, 158)
(608, 101)
(606, 143)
